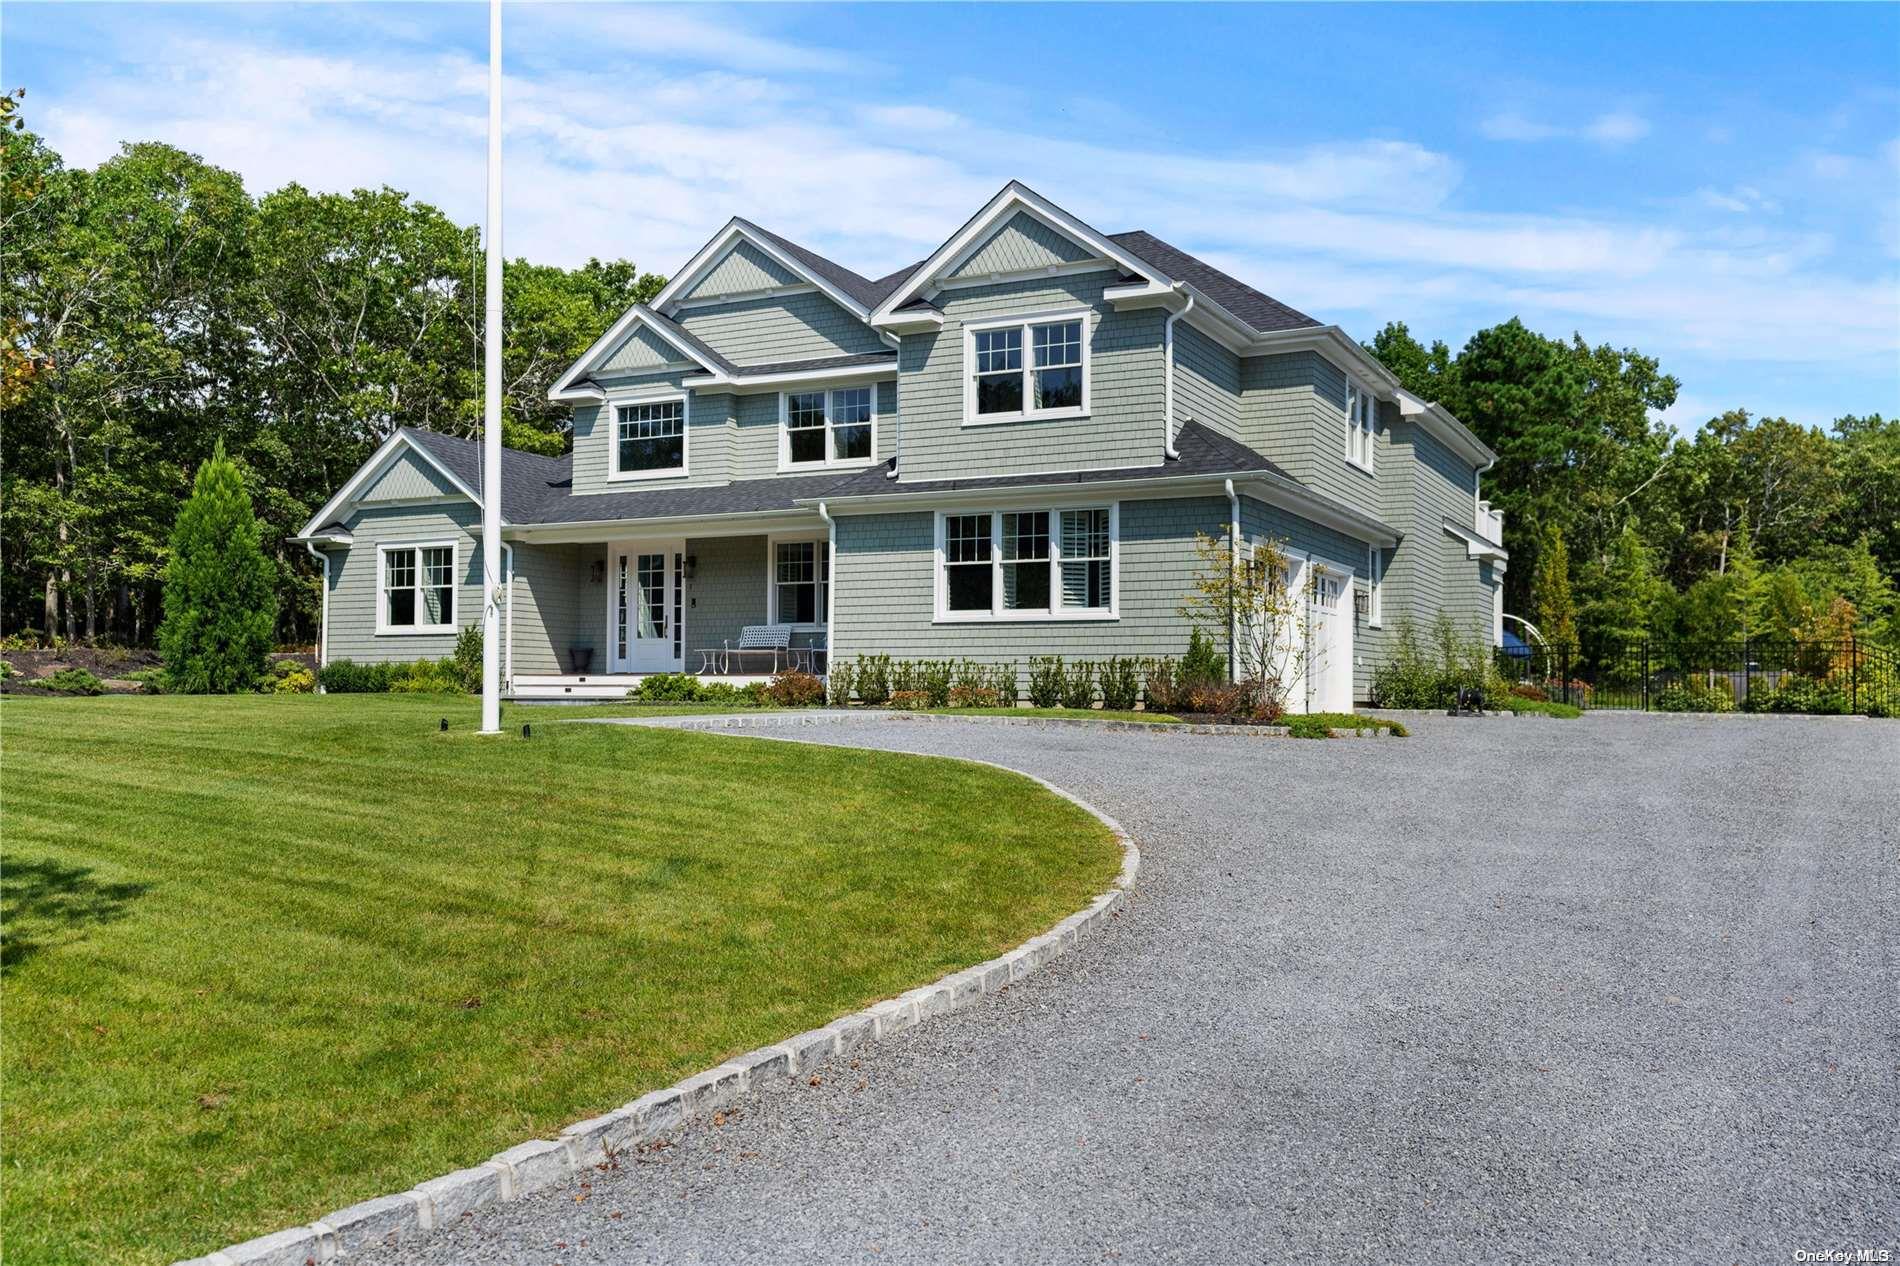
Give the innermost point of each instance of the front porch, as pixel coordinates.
(591, 620)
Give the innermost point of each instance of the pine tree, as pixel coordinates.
(1554, 610)
(1744, 587)
(220, 601)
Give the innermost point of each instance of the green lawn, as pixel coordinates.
(267, 956)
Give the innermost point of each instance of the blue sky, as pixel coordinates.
(1716, 185)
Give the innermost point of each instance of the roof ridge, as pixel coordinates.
(1258, 309)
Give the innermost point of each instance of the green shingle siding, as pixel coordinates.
(641, 352)
(1206, 382)
(407, 478)
(745, 268)
(1023, 243)
(593, 439)
(783, 328)
(555, 607)
(1126, 388)
(354, 593)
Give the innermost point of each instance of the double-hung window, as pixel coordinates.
(1362, 420)
(801, 574)
(828, 428)
(418, 589)
(1026, 369)
(1027, 564)
(650, 438)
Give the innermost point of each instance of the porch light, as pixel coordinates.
(692, 565)
(597, 571)
(1361, 603)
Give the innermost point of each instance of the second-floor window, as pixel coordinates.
(1362, 419)
(1035, 368)
(650, 439)
(829, 428)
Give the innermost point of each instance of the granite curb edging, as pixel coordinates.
(542, 1163)
(767, 720)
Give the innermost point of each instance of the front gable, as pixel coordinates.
(743, 269)
(1023, 244)
(405, 478)
(641, 352)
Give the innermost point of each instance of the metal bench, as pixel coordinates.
(758, 639)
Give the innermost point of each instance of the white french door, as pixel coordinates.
(645, 616)
(1329, 642)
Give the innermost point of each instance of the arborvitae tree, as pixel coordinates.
(220, 607)
(1633, 599)
(1552, 606)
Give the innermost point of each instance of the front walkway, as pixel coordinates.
(1614, 989)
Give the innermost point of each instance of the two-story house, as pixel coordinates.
(1005, 450)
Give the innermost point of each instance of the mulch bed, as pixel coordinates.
(109, 664)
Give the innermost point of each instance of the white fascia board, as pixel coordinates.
(1288, 495)
(746, 384)
(922, 321)
(1064, 491)
(1015, 196)
(1445, 427)
(1476, 546)
(638, 314)
(739, 523)
(725, 240)
(333, 508)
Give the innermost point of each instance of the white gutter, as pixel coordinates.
(323, 616)
(1167, 350)
(831, 578)
(1233, 581)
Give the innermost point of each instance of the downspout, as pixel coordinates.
(1233, 579)
(897, 398)
(323, 613)
(831, 578)
(1167, 351)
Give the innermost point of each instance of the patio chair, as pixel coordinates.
(756, 639)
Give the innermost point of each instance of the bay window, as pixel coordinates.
(650, 438)
(828, 428)
(1027, 564)
(417, 587)
(1026, 369)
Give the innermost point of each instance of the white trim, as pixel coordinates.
(1476, 546)
(1056, 613)
(1013, 197)
(723, 242)
(323, 611)
(746, 296)
(786, 466)
(745, 384)
(772, 542)
(1032, 272)
(383, 627)
(564, 389)
(630, 400)
(1375, 587)
(667, 547)
(1439, 423)
(1024, 322)
(333, 508)
(1359, 399)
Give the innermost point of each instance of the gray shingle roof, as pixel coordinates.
(527, 479)
(863, 289)
(1203, 452)
(1263, 312)
(745, 496)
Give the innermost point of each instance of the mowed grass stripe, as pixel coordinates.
(268, 956)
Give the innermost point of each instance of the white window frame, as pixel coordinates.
(823, 542)
(830, 461)
(1025, 323)
(613, 407)
(1375, 587)
(1055, 612)
(1362, 424)
(383, 627)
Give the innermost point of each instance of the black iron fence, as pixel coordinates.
(1847, 676)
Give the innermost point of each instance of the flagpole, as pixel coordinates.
(491, 402)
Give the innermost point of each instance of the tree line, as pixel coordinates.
(1618, 528)
(155, 309)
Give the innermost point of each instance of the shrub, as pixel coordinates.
(73, 681)
(1003, 682)
(972, 697)
(1799, 694)
(874, 679)
(1524, 690)
(1214, 698)
(467, 659)
(220, 603)
(1046, 680)
(1692, 694)
(346, 677)
(425, 677)
(1160, 685)
(1078, 685)
(286, 677)
(668, 688)
(1121, 684)
(24, 640)
(839, 678)
(1202, 663)
(795, 689)
(910, 700)
(6, 670)
(933, 678)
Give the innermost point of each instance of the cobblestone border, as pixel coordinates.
(832, 716)
(542, 1163)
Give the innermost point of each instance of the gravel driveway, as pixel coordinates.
(1619, 989)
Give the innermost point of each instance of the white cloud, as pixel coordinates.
(1617, 127)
